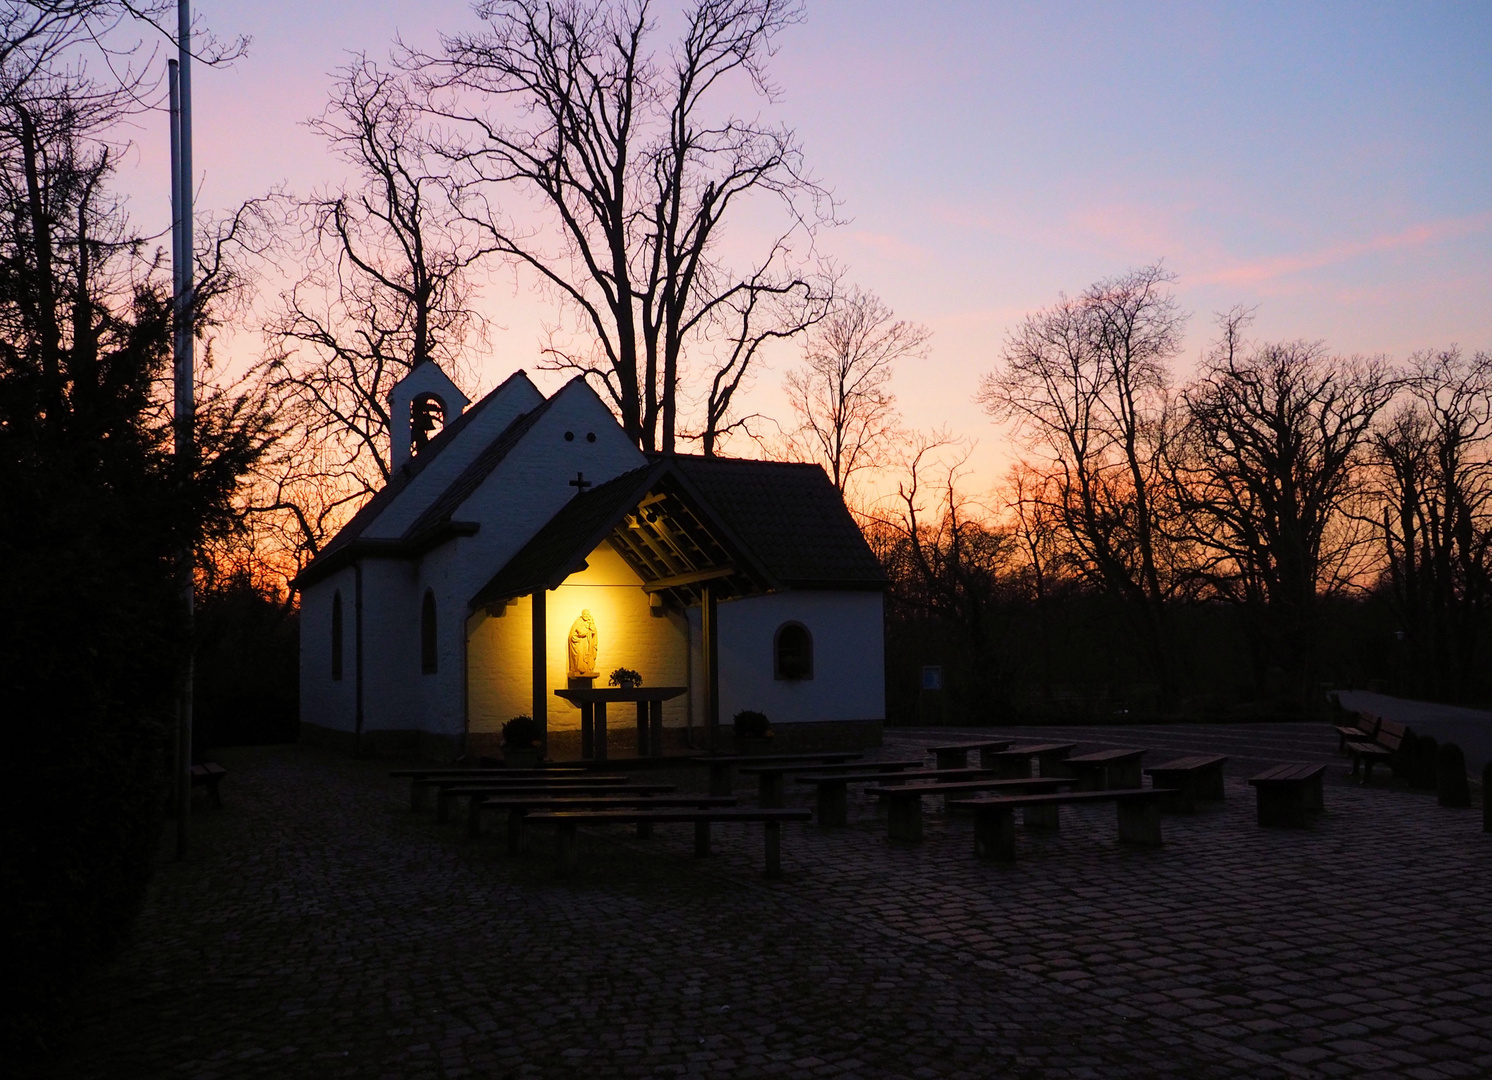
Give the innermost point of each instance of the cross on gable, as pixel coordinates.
(580, 483)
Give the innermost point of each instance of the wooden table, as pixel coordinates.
(593, 704)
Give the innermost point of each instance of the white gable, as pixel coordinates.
(426, 380)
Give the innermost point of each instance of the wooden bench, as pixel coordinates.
(723, 767)
(209, 775)
(1105, 769)
(567, 821)
(994, 819)
(421, 787)
(1289, 794)
(1194, 779)
(1384, 747)
(904, 804)
(832, 794)
(1361, 730)
(519, 807)
(419, 794)
(475, 793)
(770, 778)
(1015, 763)
(956, 755)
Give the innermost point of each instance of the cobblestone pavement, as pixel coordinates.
(322, 929)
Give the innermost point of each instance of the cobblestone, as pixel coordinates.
(321, 929)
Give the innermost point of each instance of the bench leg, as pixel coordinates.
(1367, 770)
(701, 838)
(904, 818)
(952, 759)
(994, 834)
(566, 847)
(419, 796)
(1139, 823)
(442, 807)
(517, 832)
(773, 830)
(1280, 806)
(215, 796)
(1042, 817)
(1211, 787)
(1008, 769)
(834, 805)
(1312, 801)
(1125, 776)
(474, 817)
(720, 779)
(770, 791)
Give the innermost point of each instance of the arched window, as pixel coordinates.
(337, 637)
(427, 634)
(427, 415)
(792, 652)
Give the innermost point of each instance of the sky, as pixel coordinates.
(1329, 164)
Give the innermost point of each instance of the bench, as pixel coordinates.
(1288, 794)
(418, 794)
(770, 784)
(1015, 763)
(833, 789)
(723, 767)
(519, 807)
(956, 755)
(475, 793)
(994, 819)
(1105, 769)
(1383, 747)
(420, 787)
(904, 804)
(567, 821)
(1361, 730)
(1194, 779)
(209, 775)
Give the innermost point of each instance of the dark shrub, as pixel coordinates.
(1422, 765)
(522, 732)
(750, 724)
(1450, 776)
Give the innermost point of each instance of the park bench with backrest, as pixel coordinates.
(420, 787)
(209, 774)
(994, 818)
(475, 793)
(723, 766)
(770, 783)
(1288, 794)
(904, 804)
(956, 755)
(518, 807)
(1015, 763)
(1194, 779)
(1360, 729)
(1105, 769)
(1383, 747)
(566, 823)
(832, 789)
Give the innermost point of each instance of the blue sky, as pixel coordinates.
(1330, 163)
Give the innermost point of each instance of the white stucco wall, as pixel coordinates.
(324, 701)
(499, 652)
(849, 680)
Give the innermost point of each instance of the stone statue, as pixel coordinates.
(583, 642)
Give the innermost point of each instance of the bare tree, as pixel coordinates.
(1436, 523)
(1273, 449)
(614, 146)
(1086, 383)
(841, 395)
(385, 288)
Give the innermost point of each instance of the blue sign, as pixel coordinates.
(932, 677)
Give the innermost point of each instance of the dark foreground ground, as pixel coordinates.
(320, 929)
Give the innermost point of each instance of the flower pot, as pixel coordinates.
(522, 757)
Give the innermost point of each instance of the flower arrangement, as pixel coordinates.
(750, 724)
(626, 678)
(521, 732)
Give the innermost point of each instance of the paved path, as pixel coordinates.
(1470, 729)
(321, 929)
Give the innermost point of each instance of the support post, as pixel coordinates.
(710, 632)
(541, 669)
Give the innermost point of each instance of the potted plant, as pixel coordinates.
(753, 732)
(625, 678)
(523, 745)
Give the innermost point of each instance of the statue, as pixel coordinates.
(583, 642)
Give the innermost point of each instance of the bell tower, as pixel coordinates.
(420, 404)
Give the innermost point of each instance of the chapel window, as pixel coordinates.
(792, 652)
(427, 634)
(336, 636)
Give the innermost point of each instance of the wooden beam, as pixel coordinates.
(694, 578)
(710, 632)
(540, 668)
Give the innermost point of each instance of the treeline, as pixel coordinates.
(1286, 518)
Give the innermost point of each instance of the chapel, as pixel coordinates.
(524, 550)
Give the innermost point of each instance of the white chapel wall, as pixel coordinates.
(324, 701)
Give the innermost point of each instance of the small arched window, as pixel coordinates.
(427, 634)
(336, 637)
(792, 652)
